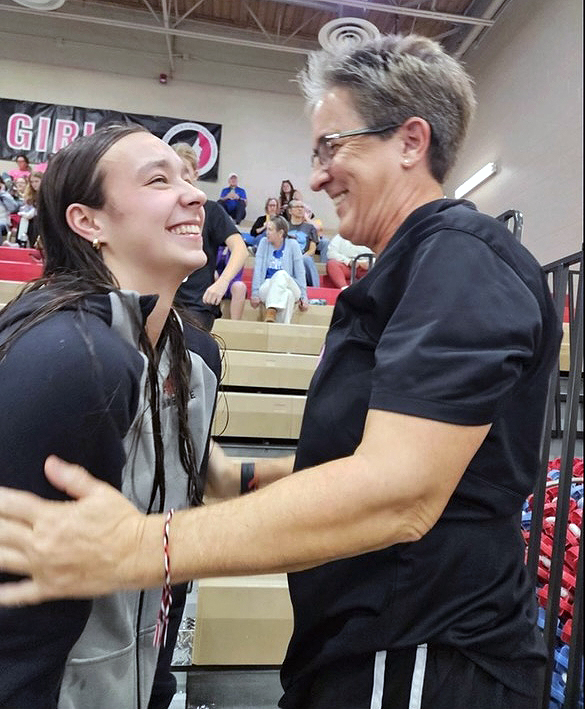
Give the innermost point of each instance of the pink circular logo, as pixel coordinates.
(200, 139)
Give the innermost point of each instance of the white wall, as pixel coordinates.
(528, 72)
(265, 135)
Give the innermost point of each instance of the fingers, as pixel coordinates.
(72, 479)
(21, 593)
(13, 561)
(19, 505)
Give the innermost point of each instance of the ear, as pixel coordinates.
(416, 141)
(85, 221)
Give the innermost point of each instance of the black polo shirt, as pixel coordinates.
(454, 323)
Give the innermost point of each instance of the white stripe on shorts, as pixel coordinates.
(418, 677)
(378, 684)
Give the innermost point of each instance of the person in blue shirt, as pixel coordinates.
(233, 199)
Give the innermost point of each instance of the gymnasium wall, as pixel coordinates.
(529, 73)
(265, 135)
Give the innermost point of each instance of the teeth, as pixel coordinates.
(339, 198)
(185, 229)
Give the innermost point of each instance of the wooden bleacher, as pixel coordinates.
(267, 370)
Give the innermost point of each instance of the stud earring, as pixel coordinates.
(406, 161)
(96, 244)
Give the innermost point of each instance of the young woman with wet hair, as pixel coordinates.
(115, 379)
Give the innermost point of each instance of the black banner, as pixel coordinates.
(42, 129)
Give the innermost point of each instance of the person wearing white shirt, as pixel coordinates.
(340, 254)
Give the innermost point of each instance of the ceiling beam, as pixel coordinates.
(172, 31)
(168, 37)
(257, 21)
(333, 6)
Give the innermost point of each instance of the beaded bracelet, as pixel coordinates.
(248, 481)
(166, 601)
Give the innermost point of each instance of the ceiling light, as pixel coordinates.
(480, 176)
(41, 4)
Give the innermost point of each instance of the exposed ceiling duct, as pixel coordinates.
(345, 31)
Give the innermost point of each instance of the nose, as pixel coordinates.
(192, 195)
(319, 177)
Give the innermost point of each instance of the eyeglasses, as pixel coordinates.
(326, 148)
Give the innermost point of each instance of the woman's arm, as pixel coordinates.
(299, 268)
(259, 226)
(367, 501)
(259, 267)
(238, 255)
(66, 410)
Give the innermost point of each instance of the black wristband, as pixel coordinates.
(248, 481)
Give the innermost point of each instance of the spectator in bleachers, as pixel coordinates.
(285, 196)
(298, 195)
(27, 228)
(340, 254)
(234, 199)
(279, 275)
(22, 169)
(306, 235)
(19, 185)
(8, 205)
(258, 229)
(202, 293)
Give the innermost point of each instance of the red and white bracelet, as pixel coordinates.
(166, 601)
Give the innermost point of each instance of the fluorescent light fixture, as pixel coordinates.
(476, 179)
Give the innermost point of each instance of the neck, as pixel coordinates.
(413, 197)
(296, 221)
(158, 317)
(145, 286)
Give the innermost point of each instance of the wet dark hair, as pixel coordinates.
(75, 270)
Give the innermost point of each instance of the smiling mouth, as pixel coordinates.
(186, 230)
(338, 199)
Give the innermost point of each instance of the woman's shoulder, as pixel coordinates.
(71, 341)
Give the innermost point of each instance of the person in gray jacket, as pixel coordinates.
(279, 274)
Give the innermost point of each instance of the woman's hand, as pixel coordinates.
(303, 305)
(77, 549)
(254, 301)
(215, 293)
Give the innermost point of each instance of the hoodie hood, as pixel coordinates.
(112, 308)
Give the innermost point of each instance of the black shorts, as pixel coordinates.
(436, 677)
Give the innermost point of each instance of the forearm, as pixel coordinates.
(263, 533)
(236, 261)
